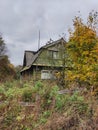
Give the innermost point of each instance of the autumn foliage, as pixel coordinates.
(83, 52)
(7, 70)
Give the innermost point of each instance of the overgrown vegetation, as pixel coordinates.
(39, 106)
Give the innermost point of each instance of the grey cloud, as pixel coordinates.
(21, 20)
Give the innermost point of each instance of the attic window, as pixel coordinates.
(53, 54)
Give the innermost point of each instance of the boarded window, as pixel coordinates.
(46, 74)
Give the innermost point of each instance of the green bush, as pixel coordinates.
(77, 104)
(27, 95)
(38, 87)
(9, 85)
(2, 90)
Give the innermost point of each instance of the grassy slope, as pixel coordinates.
(38, 106)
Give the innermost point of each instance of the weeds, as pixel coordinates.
(40, 106)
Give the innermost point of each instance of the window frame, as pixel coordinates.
(53, 54)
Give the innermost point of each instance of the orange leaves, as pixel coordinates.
(83, 52)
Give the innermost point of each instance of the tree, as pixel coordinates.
(6, 68)
(83, 52)
(2, 46)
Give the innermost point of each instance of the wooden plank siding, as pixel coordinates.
(48, 57)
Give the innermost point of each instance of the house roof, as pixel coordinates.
(36, 54)
(49, 44)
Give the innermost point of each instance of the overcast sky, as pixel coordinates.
(21, 20)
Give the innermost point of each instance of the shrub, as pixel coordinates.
(2, 93)
(27, 95)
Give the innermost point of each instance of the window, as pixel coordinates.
(50, 54)
(53, 54)
(46, 74)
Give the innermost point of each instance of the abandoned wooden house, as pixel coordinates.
(44, 63)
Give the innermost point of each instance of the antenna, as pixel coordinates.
(39, 40)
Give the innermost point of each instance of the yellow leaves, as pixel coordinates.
(57, 75)
(83, 34)
(70, 76)
(81, 72)
(11, 66)
(83, 52)
(18, 118)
